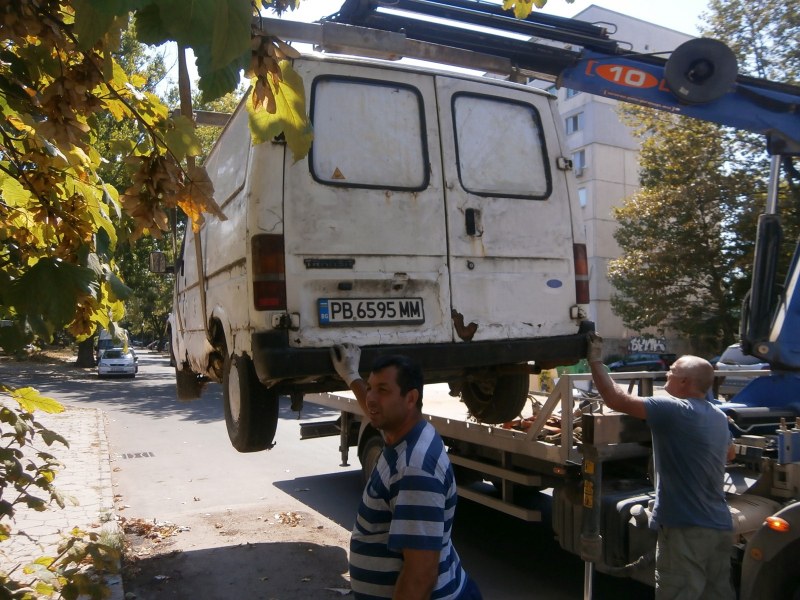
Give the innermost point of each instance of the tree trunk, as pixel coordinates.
(86, 353)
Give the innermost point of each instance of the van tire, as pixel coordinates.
(251, 411)
(503, 403)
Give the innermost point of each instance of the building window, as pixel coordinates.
(574, 123)
(572, 93)
(579, 162)
(583, 197)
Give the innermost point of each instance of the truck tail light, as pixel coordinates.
(269, 273)
(581, 274)
(777, 524)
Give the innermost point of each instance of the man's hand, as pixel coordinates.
(345, 358)
(594, 348)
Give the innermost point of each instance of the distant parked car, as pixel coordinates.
(733, 359)
(117, 361)
(643, 361)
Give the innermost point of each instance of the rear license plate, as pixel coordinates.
(370, 311)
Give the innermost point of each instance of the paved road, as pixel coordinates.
(172, 462)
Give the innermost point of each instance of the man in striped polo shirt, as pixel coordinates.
(400, 546)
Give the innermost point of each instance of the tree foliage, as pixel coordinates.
(60, 87)
(680, 265)
(687, 237)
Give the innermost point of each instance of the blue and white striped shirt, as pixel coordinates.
(409, 502)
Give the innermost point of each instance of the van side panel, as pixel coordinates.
(223, 245)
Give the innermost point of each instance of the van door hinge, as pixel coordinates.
(286, 321)
(563, 163)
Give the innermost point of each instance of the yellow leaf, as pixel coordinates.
(290, 99)
(197, 197)
(14, 193)
(117, 108)
(181, 138)
(263, 125)
(19, 124)
(31, 400)
(44, 590)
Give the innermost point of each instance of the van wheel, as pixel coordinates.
(495, 398)
(188, 384)
(370, 454)
(251, 411)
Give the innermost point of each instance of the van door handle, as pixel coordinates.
(471, 217)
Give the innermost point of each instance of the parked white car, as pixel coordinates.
(117, 361)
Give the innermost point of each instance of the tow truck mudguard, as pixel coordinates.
(769, 564)
(274, 359)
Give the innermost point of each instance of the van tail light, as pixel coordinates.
(269, 273)
(581, 274)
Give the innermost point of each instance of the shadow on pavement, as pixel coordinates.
(334, 495)
(254, 571)
(151, 392)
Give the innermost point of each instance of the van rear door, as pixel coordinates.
(364, 220)
(509, 222)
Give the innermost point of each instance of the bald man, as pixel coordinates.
(691, 445)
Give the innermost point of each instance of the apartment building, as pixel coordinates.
(605, 161)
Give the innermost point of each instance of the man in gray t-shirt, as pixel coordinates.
(691, 445)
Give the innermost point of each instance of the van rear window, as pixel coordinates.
(368, 134)
(501, 148)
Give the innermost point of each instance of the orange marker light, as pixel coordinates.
(777, 524)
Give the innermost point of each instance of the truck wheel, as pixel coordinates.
(187, 384)
(369, 455)
(497, 398)
(251, 411)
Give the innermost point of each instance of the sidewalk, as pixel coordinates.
(85, 483)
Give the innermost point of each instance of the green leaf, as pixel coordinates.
(150, 29)
(90, 24)
(181, 139)
(51, 436)
(191, 23)
(12, 191)
(31, 400)
(215, 83)
(231, 36)
(32, 294)
(119, 290)
(15, 337)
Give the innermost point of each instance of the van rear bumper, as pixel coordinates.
(279, 365)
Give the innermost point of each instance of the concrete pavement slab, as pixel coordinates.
(84, 481)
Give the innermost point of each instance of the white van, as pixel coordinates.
(434, 217)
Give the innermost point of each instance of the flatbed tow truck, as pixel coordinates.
(596, 465)
(596, 462)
